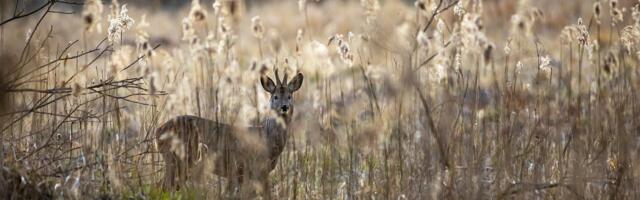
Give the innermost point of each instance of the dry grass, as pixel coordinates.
(458, 100)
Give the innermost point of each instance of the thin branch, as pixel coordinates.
(61, 57)
(138, 59)
(444, 160)
(69, 2)
(425, 62)
(35, 29)
(437, 11)
(48, 140)
(62, 12)
(19, 15)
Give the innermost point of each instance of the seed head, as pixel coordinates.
(188, 32)
(343, 49)
(216, 7)
(440, 25)
(615, 12)
(91, 14)
(519, 67)
(610, 63)
(613, 4)
(458, 9)
(300, 35)
(299, 38)
(302, 5)
(545, 66)
(257, 28)
(120, 24)
(583, 33)
(197, 14)
(488, 50)
(520, 24)
(545, 61)
(457, 61)
(535, 14)
(222, 28)
(507, 48)
(597, 9)
(630, 38)
(423, 39)
(420, 5)
(635, 14)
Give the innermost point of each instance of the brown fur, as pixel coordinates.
(239, 152)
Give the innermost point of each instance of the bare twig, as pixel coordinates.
(437, 11)
(138, 59)
(444, 160)
(18, 15)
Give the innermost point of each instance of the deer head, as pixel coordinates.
(281, 92)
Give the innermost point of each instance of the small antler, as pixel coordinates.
(278, 82)
(286, 76)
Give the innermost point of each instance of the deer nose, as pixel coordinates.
(284, 108)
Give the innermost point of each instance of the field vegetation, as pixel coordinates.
(427, 99)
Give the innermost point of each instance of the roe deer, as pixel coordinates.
(238, 155)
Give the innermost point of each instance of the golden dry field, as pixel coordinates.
(401, 99)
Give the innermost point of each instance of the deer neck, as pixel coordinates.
(275, 129)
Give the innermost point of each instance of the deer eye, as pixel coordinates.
(289, 97)
(275, 97)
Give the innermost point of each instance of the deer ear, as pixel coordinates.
(268, 84)
(295, 83)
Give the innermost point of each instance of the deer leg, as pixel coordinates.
(235, 180)
(239, 177)
(266, 188)
(230, 183)
(177, 174)
(181, 172)
(169, 172)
